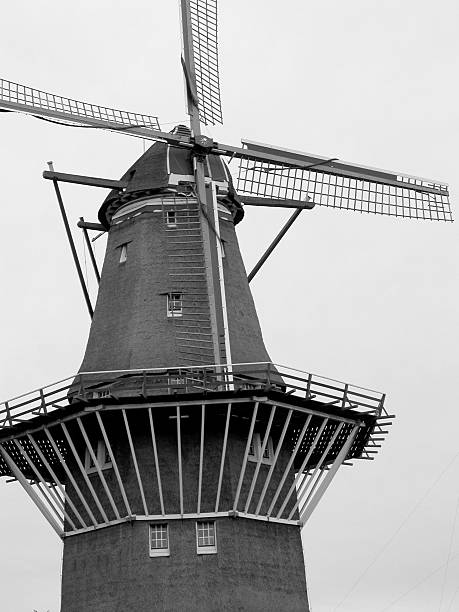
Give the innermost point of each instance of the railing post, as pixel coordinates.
(43, 406)
(8, 414)
(344, 400)
(381, 404)
(308, 386)
(81, 388)
(269, 373)
(144, 384)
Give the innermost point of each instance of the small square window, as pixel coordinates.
(255, 449)
(123, 252)
(102, 455)
(171, 218)
(174, 304)
(159, 540)
(206, 537)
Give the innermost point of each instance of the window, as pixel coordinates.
(159, 540)
(255, 449)
(174, 304)
(222, 244)
(206, 538)
(102, 455)
(123, 252)
(171, 218)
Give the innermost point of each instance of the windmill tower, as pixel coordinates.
(179, 463)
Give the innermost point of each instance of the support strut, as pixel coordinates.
(90, 249)
(275, 242)
(72, 243)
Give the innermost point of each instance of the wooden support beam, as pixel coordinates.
(91, 226)
(67, 498)
(276, 203)
(114, 464)
(136, 465)
(201, 456)
(307, 511)
(155, 453)
(246, 454)
(260, 459)
(222, 461)
(289, 464)
(31, 493)
(70, 476)
(274, 463)
(318, 467)
(79, 179)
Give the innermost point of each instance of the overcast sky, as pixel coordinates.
(364, 299)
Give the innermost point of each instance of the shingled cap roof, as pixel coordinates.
(163, 168)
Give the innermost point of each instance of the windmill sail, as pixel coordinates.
(24, 99)
(204, 39)
(281, 174)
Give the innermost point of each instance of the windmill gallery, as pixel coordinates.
(180, 448)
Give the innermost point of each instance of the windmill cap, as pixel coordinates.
(164, 167)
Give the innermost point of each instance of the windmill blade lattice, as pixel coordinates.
(339, 185)
(205, 54)
(16, 97)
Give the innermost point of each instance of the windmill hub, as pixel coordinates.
(203, 145)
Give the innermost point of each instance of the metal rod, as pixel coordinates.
(246, 454)
(72, 244)
(274, 463)
(155, 452)
(56, 480)
(260, 458)
(71, 478)
(222, 461)
(179, 458)
(97, 466)
(289, 464)
(31, 493)
(274, 243)
(84, 474)
(91, 250)
(306, 512)
(201, 456)
(134, 458)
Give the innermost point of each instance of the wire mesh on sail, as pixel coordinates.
(260, 178)
(32, 99)
(205, 52)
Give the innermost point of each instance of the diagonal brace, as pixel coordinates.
(275, 242)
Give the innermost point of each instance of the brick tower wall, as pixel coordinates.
(130, 328)
(259, 567)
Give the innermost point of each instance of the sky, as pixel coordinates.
(364, 299)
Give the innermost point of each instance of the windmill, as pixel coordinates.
(329, 416)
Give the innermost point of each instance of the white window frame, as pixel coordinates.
(206, 549)
(101, 456)
(171, 218)
(159, 552)
(255, 450)
(171, 301)
(123, 252)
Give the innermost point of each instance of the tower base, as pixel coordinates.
(258, 566)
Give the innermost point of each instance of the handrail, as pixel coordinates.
(187, 379)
